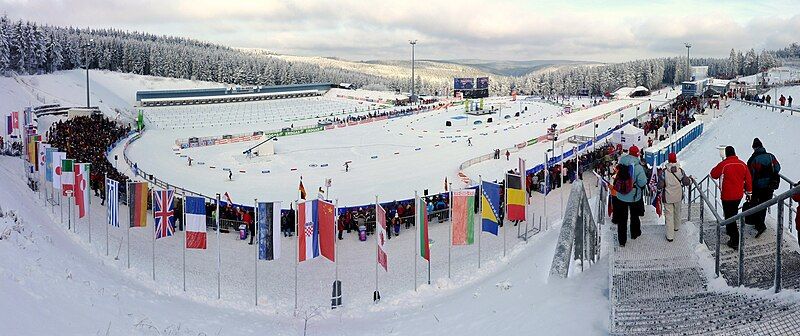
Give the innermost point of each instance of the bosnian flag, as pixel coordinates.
(316, 230)
(380, 237)
(195, 213)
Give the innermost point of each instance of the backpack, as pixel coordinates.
(623, 181)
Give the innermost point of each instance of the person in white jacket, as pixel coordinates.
(673, 177)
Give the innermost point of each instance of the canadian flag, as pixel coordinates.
(380, 215)
(81, 188)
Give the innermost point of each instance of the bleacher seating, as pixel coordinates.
(266, 111)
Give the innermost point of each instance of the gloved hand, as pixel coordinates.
(748, 196)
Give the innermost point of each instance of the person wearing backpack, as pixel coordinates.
(764, 168)
(735, 180)
(629, 182)
(672, 181)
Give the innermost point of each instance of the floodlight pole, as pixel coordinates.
(688, 63)
(413, 60)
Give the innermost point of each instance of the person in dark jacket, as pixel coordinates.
(764, 169)
(735, 181)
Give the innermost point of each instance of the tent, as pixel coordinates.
(639, 91)
(629, 135)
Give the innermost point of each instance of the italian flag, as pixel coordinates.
(67, 176)
(422, 224)
(462, 205)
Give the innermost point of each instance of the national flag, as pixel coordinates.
(112, 201)
(228, 198)
(41, 157)
(422, 225)
(515, 197)
(164, 212)
(655, 201)
(490, 207)
(81, 188)
(328, 182)
(58, 159)
(48, 157)
(195, 212)
(316, 232)
(269, 228)
(14, 120)
(9, 127)
(445, 185)
(32, 145)
(67, 176)
(380, 236)
(137, 203)
(462, 206)
(302, 190)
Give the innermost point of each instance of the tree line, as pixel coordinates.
(31, 48)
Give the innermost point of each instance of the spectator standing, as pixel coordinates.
(764, 169)
(735, 181)
(629, 182)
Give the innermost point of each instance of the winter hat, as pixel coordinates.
(729, 151)
(757, 143)
(634, 151)
(673, 158)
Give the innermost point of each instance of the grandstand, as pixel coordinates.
(253, 112)
(237, 94)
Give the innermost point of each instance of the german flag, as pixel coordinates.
(515, 197)
(137, 203)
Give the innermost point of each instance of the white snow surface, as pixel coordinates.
(55, 281)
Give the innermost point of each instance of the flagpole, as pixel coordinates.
(335, 241)
(153, 197)
(219, 254)
(416, 236)
(258, 243)
(105, 183)
(183, 220)
(89, 204)
(505, 216)
(128, 239)
(546, 186)
(561, 182)
(480, 211)
(296, 254)
(377, 247)
(450, 232)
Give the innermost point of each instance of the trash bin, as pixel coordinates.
(242, 232)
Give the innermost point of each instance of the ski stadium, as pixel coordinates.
(460, 202)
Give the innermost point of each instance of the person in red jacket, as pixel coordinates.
(796, 198)
(248, 220)
(735, 180)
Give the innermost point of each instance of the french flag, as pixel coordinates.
(316, 230)
(195, 223)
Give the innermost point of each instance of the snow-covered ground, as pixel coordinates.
(409, 153)
(50, 274)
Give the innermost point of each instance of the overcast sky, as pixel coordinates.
(606, 31)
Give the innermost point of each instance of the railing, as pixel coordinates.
(790, 109)
(740, 218)
(579, 237)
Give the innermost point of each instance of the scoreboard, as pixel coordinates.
(471, 87)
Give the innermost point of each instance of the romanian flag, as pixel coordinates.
(490, 207)
(462, 205)
(515, 197)
(424, 242)
(137, 203)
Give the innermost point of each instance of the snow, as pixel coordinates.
(415, 152)
(54, 275)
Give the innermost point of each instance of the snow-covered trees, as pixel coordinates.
(29, 48)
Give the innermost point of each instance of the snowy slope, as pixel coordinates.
(52, 275)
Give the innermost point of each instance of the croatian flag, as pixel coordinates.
(195, 213)
(316, 230)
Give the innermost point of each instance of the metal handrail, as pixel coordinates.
(762, 206)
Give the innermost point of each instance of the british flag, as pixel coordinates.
(164, 212)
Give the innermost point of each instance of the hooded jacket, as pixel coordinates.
(735, 178)
(639, 179)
